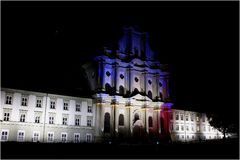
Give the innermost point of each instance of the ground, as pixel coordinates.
(208, 149)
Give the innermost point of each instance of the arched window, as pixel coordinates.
(135, 90)
(121, 120)
(150, 122)
(107, 123)
(162, 124)
(107, 87)
(150, 94)
(136, 117)
(121, 89)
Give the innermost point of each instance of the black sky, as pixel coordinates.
(44, 45)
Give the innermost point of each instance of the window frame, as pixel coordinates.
(7, 100)
(7, 131)
(80, 107)
(64, 133)
(38, 137)
(24, 100)
(51, 137)
(41, 102)
(8, 117)
(23, 138)
(77, 134)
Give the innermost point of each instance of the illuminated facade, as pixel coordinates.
(131, 99)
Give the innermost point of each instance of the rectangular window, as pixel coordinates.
(177, 117)
(64, 121)
(22, 117)
(177, 127)
(182, 128)
(51, 120)
(89, 122)
(8, 99)
(4, 135)
(187, 137)
(182, 136)
(6, 116)
(21, 136)
(39, 102)
(88, 138)
(78, 107)
(89, 109)
(36, 136)
(52, 104)
(77, 121)
(50, 137)
(186, 117)
(193, 137)
(192, 117)
(64, 137)
(65, 106)
(181, 117)
(76, 137)
(37, 119)
(187, 128)
(24, 101)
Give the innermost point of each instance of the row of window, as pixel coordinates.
(193, 137)
(50, 136)
(177, 128)
(136, 79)
(187, 117)
(51, 119)
(24, 102)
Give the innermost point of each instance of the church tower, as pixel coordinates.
(130, 88)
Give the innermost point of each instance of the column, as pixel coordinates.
(115, 117)
(146, 120)
(101, 105)
(130, 118)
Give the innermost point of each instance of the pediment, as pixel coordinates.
(140, 97)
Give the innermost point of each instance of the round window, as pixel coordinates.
(149, 82)
(108, 73)
(136, 79)
(121, 76)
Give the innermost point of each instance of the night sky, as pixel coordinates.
(45, 44)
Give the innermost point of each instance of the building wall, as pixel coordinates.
(13, 125)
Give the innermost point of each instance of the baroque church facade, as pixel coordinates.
(130, 98)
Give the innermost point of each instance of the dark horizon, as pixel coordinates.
(44, 45)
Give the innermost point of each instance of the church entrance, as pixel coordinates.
(138, 128)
